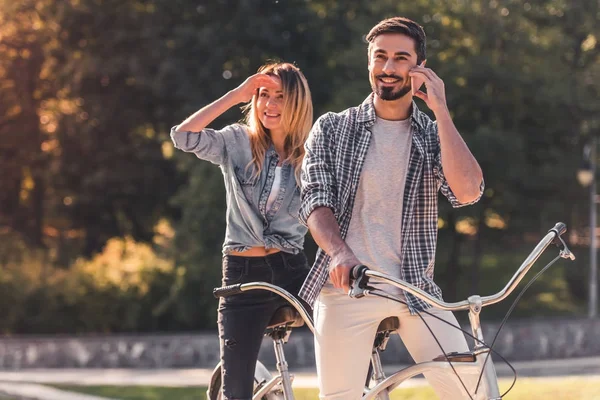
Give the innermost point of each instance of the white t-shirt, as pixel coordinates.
(274, 188)
(375, 232)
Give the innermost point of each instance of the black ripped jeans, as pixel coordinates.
(243, 318)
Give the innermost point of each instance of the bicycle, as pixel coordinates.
(476, 361)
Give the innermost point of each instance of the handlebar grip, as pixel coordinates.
(226, 291)
(357, 271)
(560, 228)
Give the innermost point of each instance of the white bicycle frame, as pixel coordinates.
(266, 383)
(474, 304)
(267, 388)
(489, 389)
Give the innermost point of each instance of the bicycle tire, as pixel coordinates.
(261, 373)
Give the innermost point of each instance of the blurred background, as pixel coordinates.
(105, 228)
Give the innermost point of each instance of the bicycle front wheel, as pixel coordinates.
(261, 375)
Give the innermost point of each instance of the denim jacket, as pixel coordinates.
(249, 223)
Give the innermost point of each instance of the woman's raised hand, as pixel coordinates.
(250, 86)
(242, 94)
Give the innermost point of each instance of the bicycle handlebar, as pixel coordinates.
(231, 290)
(560, 228)
(361, 273)
(226, 291)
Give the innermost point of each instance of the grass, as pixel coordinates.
(577, 388)
(140, 392)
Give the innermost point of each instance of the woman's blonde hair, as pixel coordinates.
(296, 117)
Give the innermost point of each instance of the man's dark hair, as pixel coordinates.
(403, 26)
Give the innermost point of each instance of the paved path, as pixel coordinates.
(29, 383)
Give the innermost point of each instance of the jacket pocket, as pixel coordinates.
(246, 181)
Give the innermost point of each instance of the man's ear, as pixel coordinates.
(423, 63)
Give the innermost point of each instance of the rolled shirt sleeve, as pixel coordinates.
(208, 144)
(319, 187)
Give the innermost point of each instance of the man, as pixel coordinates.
(370, 182)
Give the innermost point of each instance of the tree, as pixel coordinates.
(88, 161)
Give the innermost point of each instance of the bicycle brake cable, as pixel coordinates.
(510, 310)
(378, 292)
(445, 355)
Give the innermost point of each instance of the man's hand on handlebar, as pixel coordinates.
(340, 267)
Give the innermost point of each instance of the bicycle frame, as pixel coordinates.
(270, 385)
(474, 304)
(482, 360)
(489, 388)
(393, 381)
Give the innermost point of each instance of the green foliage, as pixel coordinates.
(90, 89)
(126, 288)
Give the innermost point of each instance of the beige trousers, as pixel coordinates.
(345, 330)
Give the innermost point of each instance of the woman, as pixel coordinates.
(260, 160)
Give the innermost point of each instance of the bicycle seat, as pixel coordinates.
(286, 315)
(389, 324)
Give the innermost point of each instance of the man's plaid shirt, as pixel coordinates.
(335, 153)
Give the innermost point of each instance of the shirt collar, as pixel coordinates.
(271, 151)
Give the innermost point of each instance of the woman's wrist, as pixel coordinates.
(234, 96)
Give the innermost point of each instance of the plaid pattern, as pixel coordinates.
(335, 154)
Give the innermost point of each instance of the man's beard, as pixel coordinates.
(387, 93)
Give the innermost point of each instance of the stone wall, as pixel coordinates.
(518, 341)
